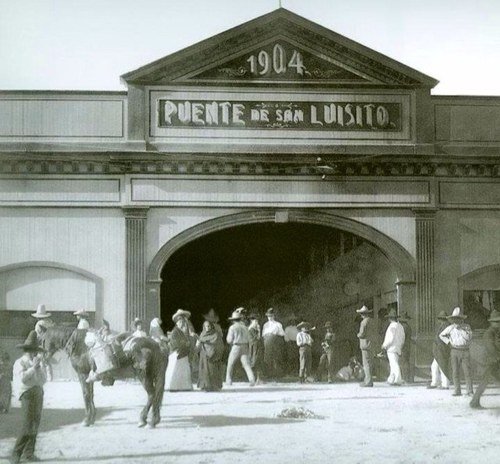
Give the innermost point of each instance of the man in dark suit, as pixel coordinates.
(367, 339)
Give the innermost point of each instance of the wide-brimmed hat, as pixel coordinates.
(31, 343)
(404, 317)
(181, 313)
(82, 313)
(270, 312)
(494, 316)
(392, 313)
(41, 312)
(364, 310)
(457, 314)
(304, 325)
(236, 316)
(211, 316)
(442, 315)
(328, 325)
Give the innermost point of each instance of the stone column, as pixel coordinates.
(425, 270)
(135, 239)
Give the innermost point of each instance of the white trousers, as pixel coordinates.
(239, 353)
(395, 370)
(437, 376)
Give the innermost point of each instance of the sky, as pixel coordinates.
(88, 44)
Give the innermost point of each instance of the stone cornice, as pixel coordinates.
(371, 167)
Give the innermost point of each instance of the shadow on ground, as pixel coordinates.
(141, 457)
(52, 419)
(223, 421)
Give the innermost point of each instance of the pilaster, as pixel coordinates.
(135, 239)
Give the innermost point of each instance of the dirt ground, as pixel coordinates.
(239, 425)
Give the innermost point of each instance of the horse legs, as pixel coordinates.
(159, 386)
(147, 383)
(88, 398)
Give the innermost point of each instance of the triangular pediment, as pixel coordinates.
(279, 47)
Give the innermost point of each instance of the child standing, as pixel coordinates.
(304, 342)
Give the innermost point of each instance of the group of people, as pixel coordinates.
(396, 346)
(451, 347)
(262, 350)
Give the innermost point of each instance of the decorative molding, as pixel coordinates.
(398, 168)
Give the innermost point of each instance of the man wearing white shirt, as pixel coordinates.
(274, 345)
(393, 345)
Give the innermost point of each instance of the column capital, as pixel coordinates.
(423, 214)
(135, 212)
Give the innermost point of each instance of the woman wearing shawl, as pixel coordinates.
(178, 375)
(211, 347)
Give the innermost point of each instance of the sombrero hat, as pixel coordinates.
(211, 316)
(457, 314)
(181, 313)
(236, 316)
(82, 313)
(304, 325)
(41, 312)
(364, 310)
(31, 343)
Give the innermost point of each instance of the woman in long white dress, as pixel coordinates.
(178, 375)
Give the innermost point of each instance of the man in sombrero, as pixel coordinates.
(459, 336)
(367, 337)
(239, 339)
(491, 362)
(29, 377)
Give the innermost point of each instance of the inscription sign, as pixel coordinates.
(322, 116)
(280, 61)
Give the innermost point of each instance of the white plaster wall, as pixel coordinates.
(91, 239)
(165, 223)
(396, 224)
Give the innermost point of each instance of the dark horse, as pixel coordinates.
(145, 361)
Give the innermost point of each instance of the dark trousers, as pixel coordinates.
(326, 364)
(406, 366)
(31, 411)
(461, 358)
(274, 350)
(367, 358)
(305, 361)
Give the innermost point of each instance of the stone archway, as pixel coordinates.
(400, 259)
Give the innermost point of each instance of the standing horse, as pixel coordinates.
(146, 362)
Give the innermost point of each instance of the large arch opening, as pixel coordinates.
(315, 266)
